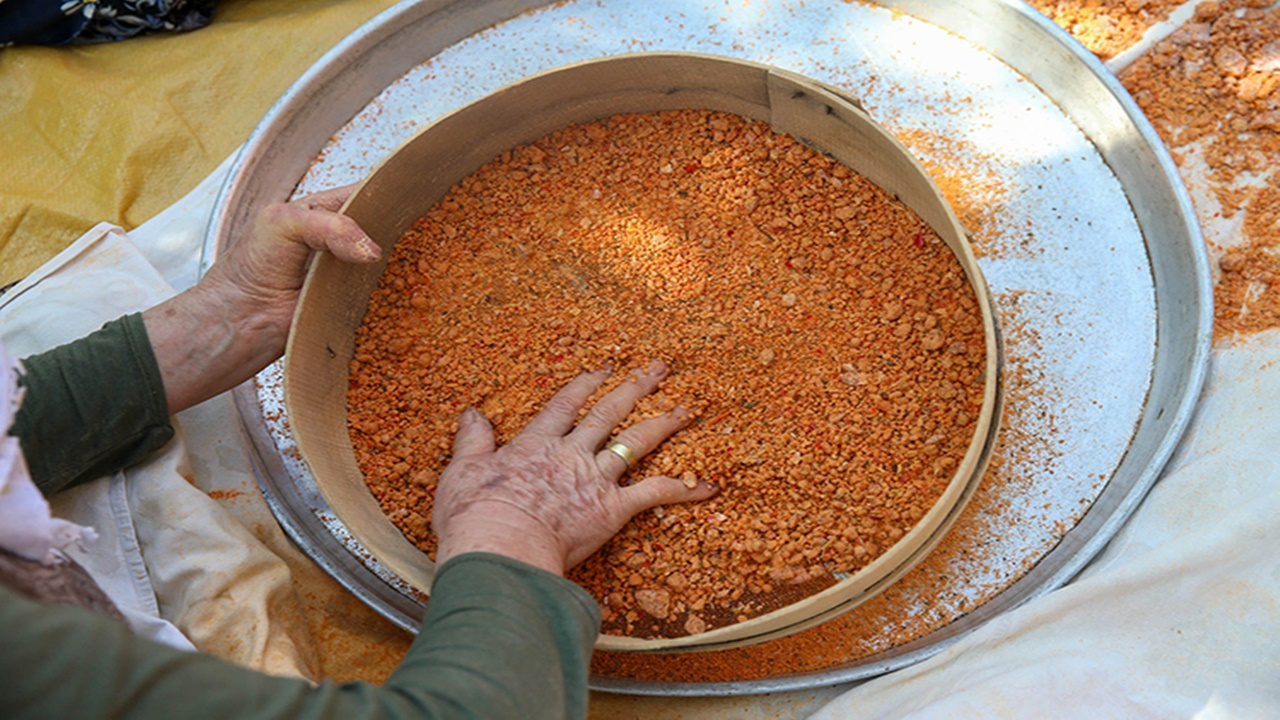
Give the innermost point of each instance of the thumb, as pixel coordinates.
(319, 230)
(475, 434)
(339, 234)
(662, 490)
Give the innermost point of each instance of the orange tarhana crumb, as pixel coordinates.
(1210, 91)
(827, 337)
(1106, 27)
(940, 589)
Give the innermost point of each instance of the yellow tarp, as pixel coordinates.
(118, 132)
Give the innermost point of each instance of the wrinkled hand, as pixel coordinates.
(235, 321)
(551, 496)
(261, 277)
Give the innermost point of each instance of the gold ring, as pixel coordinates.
(622, 451)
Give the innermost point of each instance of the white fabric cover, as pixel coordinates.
(181, 566)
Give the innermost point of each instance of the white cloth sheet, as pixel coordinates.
(183, 568)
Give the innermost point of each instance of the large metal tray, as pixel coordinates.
(1121, 321)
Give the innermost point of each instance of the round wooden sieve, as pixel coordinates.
(410, 181)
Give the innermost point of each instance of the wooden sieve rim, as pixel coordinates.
(418, 173)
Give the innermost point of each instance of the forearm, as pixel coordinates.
(92, 406)
(235, 320)
(505, 640)
(101, 403)
(501, 640)
(203, 345)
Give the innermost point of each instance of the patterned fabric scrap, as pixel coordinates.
(63, 22)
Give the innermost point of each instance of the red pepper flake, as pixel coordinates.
(691, 167)
(919, 241)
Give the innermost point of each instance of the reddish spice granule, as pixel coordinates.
(1210, 92)
(826, 335)
(967, 178)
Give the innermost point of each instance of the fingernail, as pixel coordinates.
(369, 249)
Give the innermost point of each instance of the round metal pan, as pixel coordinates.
(298, 128)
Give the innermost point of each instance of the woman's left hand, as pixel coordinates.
(551, 496)
(235, 321)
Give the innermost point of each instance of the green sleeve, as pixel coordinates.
(92, 406)
(501, 639)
